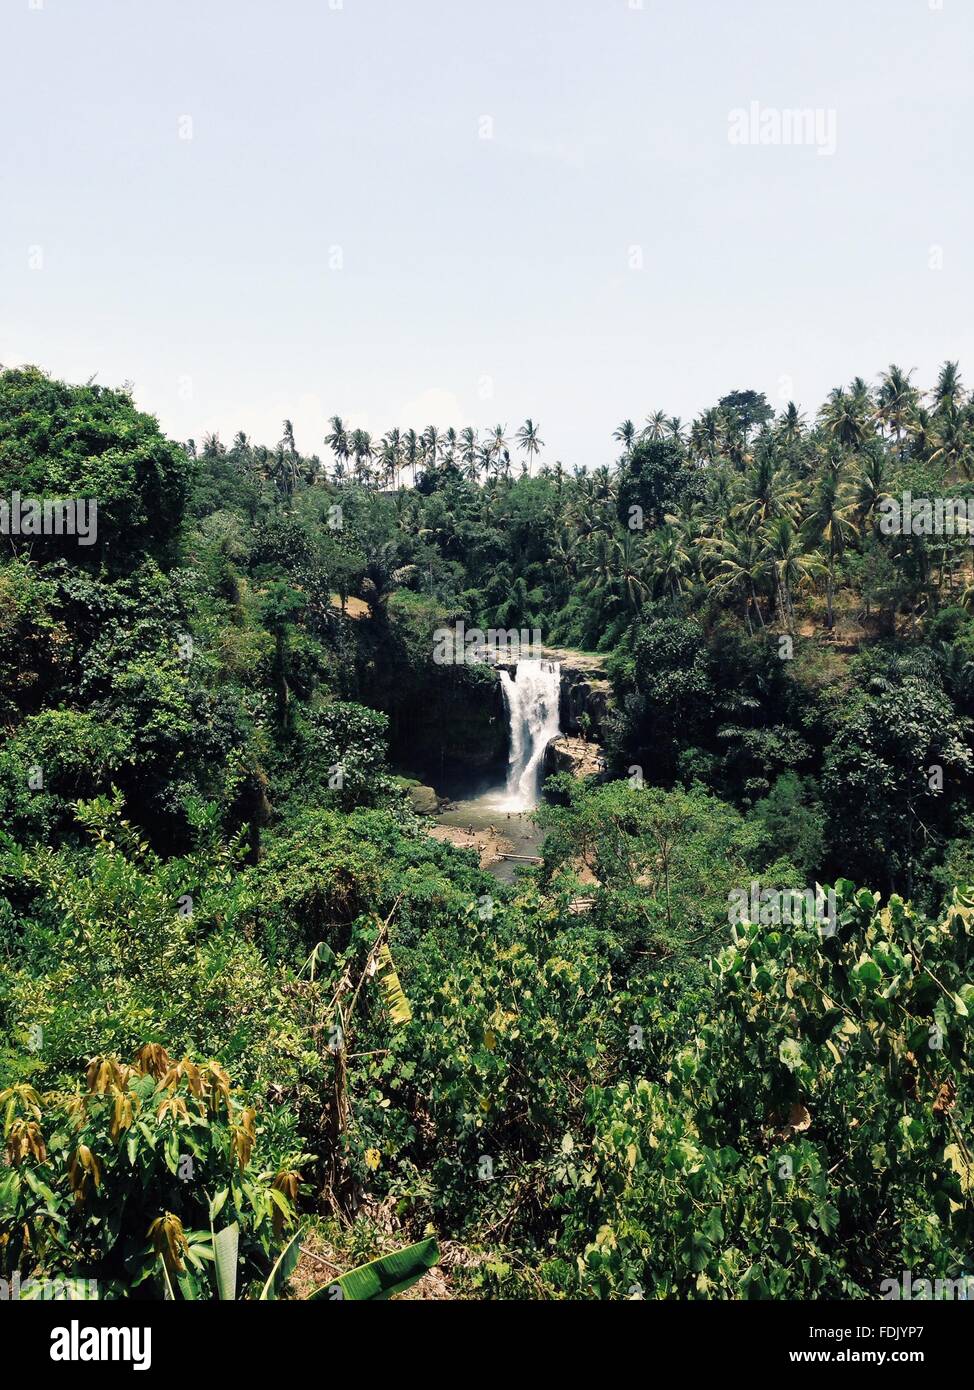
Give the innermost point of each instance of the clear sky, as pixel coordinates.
(338, 235)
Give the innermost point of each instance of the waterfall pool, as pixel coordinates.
(498, 817)
(494, 829)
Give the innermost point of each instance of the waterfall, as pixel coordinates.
(532, 700)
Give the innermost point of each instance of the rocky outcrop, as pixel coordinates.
(423, 800)
(579, 756)
(583, 695)
(585, 688)
(458, 720)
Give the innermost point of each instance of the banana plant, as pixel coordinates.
(376, 1281)
(385, 1277)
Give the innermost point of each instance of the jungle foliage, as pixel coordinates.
(244, 994)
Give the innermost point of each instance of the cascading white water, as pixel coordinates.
(532, 699)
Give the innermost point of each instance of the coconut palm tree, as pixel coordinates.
(767, 494)
(485, 457)
(845, 416)
(707, 435)
(739, 565)
(625, 434)
(924, 436)
(948, 394)
(387, 461)
(669, 561)
(603, 485)
(450, 442)
(598, 571)
(529, 441)
(872, 487)
(432, 444)
(655, 429)
(630, 570)
(896, 402)
(829, 526)
(954, 443)
(791, 426)
(412, 452)
(790, 565)
(337, 442)
(284, 471)
(394, 438)
(468, 453)
(360, 445)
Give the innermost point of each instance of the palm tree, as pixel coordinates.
(432, 443)
(360, 445)
(707, 435)
(449, 446)
(739, 565)
(669, 561)
(468, 453)
(625, 434)
(872, 488)
(655, 426)
(829, 526)
(563, 558)
(896, 401)
(631, 568)
(845, 416)
(924, 438)
(337, 441)
(529, 440)
(598, 570)
(412, 451)
(602, 483)
(284, 472)
(790, 566)
(791, 425)
(948, 394)
(498, 440)
(485, 457)
(394, 438)
(767, 494)
(387, 461)
(954, 443)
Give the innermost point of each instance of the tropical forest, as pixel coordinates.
(619, 947)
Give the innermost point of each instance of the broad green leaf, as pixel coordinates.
(395, 1000)
(283, 1269)
(382, 1278)
(225, 1248)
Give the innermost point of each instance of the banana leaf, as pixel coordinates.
(225, 1247)
(283, 1269)
(382, 1278)
(395, 1000)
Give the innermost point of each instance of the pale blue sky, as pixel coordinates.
(199, 269)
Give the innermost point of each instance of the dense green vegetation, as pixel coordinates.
(242, 984)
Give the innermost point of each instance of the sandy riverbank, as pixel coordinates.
(488, 843)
